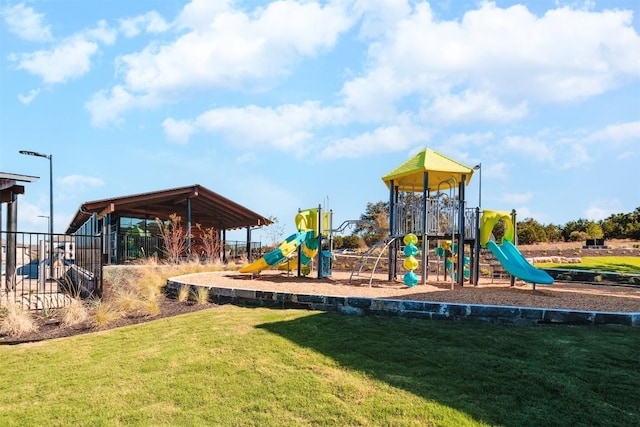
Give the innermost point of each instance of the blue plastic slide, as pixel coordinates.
(515, 263)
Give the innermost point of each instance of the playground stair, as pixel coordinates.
(496, 269)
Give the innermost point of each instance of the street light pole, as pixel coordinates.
(478, 167)
(50, 157)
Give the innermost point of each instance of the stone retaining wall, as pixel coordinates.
(411, 309)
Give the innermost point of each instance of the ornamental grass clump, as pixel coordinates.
(183, 292)
(74, 314)
(105, 313)
(201, 295)
(16, 321)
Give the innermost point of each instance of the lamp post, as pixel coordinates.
(478, 167)
(50, 157)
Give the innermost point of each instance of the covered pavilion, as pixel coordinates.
(195, 204)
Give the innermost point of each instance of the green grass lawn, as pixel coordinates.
(616, 264)
(232, 366)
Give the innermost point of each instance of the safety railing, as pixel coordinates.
(42, 270)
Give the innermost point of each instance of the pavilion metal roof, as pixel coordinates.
(9, 185)
(208, 209)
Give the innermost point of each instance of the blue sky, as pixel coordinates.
(286, 105)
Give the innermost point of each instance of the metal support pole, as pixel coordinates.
(476, 261)
(461, 206)
(188, 226)
(12, 224)
(425, 240)
(319, 242)
(392, 231)
(51, 266)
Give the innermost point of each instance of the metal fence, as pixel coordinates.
(42, 270)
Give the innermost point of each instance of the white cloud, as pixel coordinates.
(495, 170)
(517, 198)
(107, 107)
(388, 138)
(80, 181)
(601, 209)
(247, 157)
(230, 49)
(223, 48)
(29, 217)
(500, 59)
(530, 147)
(472, 106)
(291, 128)
(69, 59)
(26, 23)
(380, 16)
(150, 22)
(577, 155)
(372, 98)
(621, 132)
(178, 130)
(26, 99)
(626, 155)
(287, 127)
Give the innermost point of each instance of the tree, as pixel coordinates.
(553, 232)
(351, 242)
(594, 231)
(210, 243)
(580, 225)
(622, 226)
(274, 232)
(375, 223)
(530, 231)
(173, 236)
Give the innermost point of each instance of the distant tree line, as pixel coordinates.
(616, 226)
(374, 227)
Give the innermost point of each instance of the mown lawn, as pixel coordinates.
(232, 366)
(615, 264)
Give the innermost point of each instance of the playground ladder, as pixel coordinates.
(384, 243)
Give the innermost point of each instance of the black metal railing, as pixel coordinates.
(41, 270)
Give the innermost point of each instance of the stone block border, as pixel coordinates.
(410, 309)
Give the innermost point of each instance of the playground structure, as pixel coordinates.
(427, 198)
(426, 203)
(507, 253)
(313, 225)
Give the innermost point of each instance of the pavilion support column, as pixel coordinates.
(12, 225)
(188, 248)
(249, 257)
(1, 204)
(222, 238)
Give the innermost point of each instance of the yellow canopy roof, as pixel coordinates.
(409, 175)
